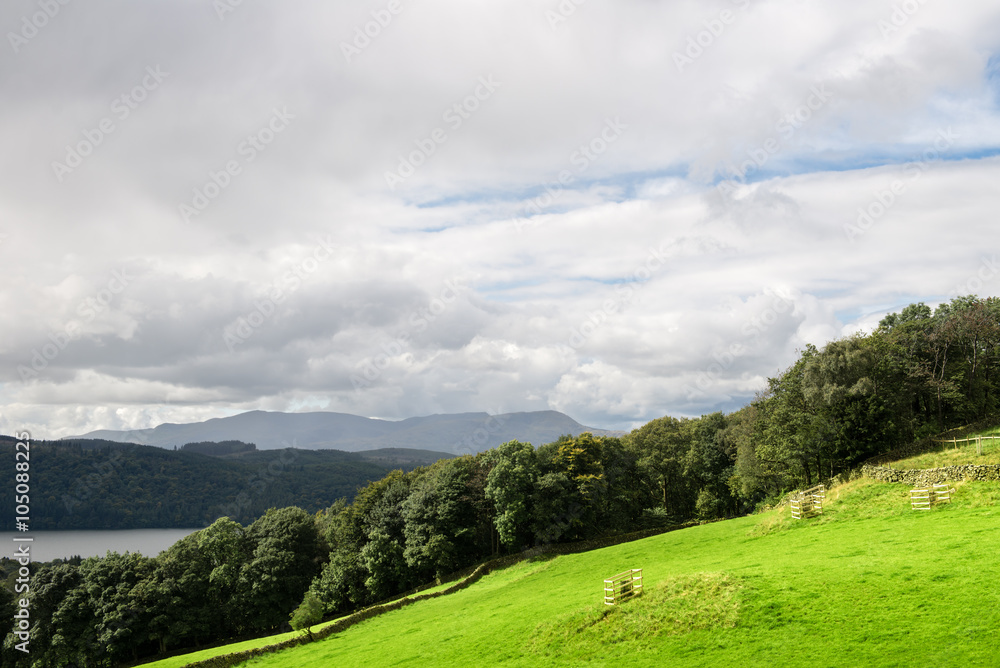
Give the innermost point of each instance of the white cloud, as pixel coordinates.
(617, 295)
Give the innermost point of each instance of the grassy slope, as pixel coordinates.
(964, 453)
(184, 659)
(871, 583)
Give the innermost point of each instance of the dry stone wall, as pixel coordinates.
(918, 477)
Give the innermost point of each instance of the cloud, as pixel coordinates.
(591, 227)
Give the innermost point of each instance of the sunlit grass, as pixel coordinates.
(960, 454)
(674, 606)
(869, 583)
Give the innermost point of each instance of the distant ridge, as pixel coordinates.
(454, 433)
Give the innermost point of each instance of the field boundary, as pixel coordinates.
(477, 572)
(926, 477)
(930, 443)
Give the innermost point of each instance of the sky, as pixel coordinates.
(617, 210)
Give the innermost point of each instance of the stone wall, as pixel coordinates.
(919, 477)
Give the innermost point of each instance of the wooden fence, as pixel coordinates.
(924, 499)
(808, 503)
(623, 586)
(977, 439)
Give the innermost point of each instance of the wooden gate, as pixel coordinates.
(924, 499)
(808, 503)
(623, 586)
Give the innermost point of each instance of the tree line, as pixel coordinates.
(232, 581)
(90, 484)
(918, 373)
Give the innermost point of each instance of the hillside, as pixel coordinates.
(460, 433)
(107, 485)
(870, 583)
(963, 451)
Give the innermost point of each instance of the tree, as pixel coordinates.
(226, 549)
(287, 555)
(383, 558)
(174, 598)
(107, 584)
(624, 500)
(309, 612)
(854, 388)
(661, 446)
(65, 618)
(509, 486)
(794, 435)
(439, 522)
(48, 588)
(555, 507)
(708, 505)
(914, 312)
(341, 584)
(8, 609)
(748, 482)
(376, 528)
(580, 460)
(710, 465)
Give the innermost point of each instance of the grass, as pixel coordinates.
(673, 606)
(964, 453)
(184, 659)
(870, 583)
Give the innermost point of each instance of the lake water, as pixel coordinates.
(49, 545)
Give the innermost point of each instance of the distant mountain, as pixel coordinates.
(457, 433)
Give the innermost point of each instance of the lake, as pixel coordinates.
(49, 545)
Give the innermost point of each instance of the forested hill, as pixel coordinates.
(91, 484)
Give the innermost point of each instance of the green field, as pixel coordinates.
(871, 583)
(184, 659)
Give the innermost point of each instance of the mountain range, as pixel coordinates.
(453, 433)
